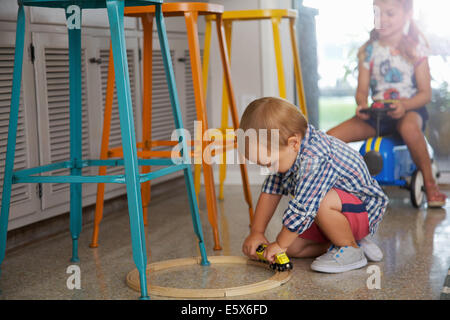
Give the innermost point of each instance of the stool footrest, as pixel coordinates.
(27, 175)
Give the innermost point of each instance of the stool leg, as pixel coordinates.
(12, 131)
(195, 215)
(224, 122)
(194, 52)
(75, 137)
(298, 70)
(206, 53)
(147, 22)
(278, 56)
(109, 96)
(179, 125)
(233, 109)
(205, 66)
(115, 14)
(197, 178)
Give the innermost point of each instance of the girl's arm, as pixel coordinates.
(423, 80)
(265, 208)
(362, 91)
(422, 97)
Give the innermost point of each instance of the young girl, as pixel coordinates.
(394, 65)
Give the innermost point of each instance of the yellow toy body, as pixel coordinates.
(282, 262)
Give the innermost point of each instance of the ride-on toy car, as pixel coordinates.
(389, 160)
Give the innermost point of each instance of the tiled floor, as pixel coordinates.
(415, 244)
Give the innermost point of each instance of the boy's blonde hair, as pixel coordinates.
(408, 43)
(274, 113)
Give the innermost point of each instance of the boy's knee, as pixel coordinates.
(331, 202)
(297, 247)
(295, 251)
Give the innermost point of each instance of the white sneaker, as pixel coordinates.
(340, 259)
(371, 250)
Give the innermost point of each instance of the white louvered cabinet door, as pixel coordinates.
(53, 104)
(188, 101)
(98, 48)
(162, 118)
(24, 199)
(163, 123)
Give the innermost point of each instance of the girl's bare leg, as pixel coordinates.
(353, 129)
(410, 128)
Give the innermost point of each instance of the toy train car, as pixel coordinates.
(282, 262)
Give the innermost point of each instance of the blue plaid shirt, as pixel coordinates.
(325, 162)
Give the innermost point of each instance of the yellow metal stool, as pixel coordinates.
(275, 16)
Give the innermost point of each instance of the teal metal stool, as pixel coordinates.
(131, 178)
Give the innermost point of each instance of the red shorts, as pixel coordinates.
(355, 212)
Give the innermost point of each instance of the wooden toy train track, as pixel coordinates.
(276, 280)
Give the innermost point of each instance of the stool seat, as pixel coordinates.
(259, 14)
(177, 9)
(86, 4)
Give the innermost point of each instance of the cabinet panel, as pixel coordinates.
(162, 116)
(190, 112)
(163, 123)
(52, 87)
(99, 48)
(8, 10)
(24, 198)
(89, 18)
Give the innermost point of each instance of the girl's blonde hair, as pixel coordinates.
(274, 113)
(408, 43)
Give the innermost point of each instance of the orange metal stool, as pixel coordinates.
(190, 11)
(275, 16)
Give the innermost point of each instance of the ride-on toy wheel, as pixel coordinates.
(417, 189)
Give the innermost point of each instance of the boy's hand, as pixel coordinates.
(272, 250)
(251, 243)
(398, 110)
(362, 116)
